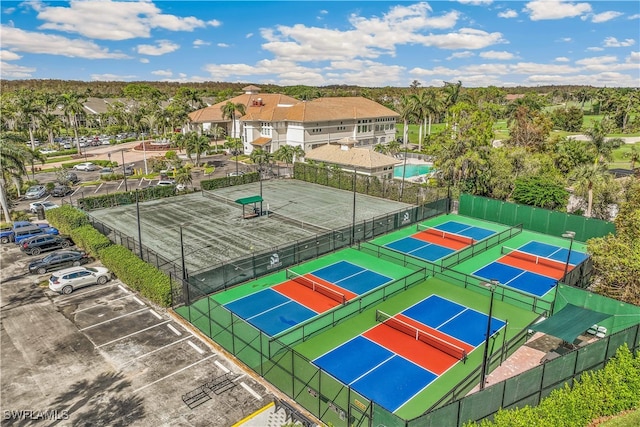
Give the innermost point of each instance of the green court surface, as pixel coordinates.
(441, 219)
(517, 320)
(367, 261)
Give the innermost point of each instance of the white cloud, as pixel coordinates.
(634, 57)
(163, 47)
(595, 49)
(636, 16)
(214, 23)
(223, 45)
(534, 68)
(463, 54)
(112, 77)
(597, 60)
(10, 70)
(605, 16)
(509, 13)
(197, 43)
(32, 42)
(112, 20)
(604, 79)
(493, 54)
(555, 9)
(562, 59)
(144, 60)
(475, 2)
(465, 38)
(162, 73)
(248, 36)
(566, 39)
(613, 42)
(7, 55)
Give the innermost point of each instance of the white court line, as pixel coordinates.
(115, 318)
(155, 314)
(175, 331)
(100, 305)
(131, 334)
(172, 374)
(153, 351)
(138, 301)
(250, 390)
(198, 349)
(221, 366)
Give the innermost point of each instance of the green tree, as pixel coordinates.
(183, 176)
(569, 119)
(585, 179)
(197, 144)
(261, 158)
(12, 161)
(604, 146)
(72, 107)
(541, 191)
(616, 258)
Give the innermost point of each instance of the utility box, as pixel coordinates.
(40, 212)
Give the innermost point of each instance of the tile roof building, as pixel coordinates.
(274, 120)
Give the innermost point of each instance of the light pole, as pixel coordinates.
(568, 235)
(139, 228)
(124, 172)
(483, 374)
(184, 269)
(353, 221)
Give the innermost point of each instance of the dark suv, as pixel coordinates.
(45, 242)
(58, 260)
(61, 190)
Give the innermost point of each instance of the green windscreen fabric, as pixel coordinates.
(569, 322)
(249, 200)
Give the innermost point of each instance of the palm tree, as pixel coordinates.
(32, 156)
(12, 155)
(229, 112)
(27, 111)
(183, 176)
(261, 158)
(235, 147)
(72, 106)
(197, 144)
(285, 154)
(585, 177)
(603, 145)
(633, 156)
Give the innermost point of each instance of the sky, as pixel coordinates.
(320, 43)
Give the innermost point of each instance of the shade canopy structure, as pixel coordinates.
(248, 201)
(570, 322)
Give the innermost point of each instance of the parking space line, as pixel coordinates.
(195, 347)
(123, 288)
(155, 314)
(99, 305)
(99, 187)
(110, 320)
(131, 334)
(90, 291)
(153, 351)
(175, 331)
(221, 366)
(172, 374)
(138, 301)
(76, 190)
(250, 390)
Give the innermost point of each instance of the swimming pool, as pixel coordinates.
(411, 170)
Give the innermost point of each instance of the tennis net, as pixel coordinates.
(316, 287)
(536, 259)
(445, 234)
(420, 335)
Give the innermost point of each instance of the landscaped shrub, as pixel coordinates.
(608, 391)
(125, 198)
(89, 239)
(137, 274)
(227, 181)
(66, 218)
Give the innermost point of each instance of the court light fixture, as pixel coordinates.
(491, 285)
(568, 235)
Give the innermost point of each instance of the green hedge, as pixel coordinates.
(605, 392)
(66, 218)
(125, 197)
(137, 274)
(90, 239)
(228, 181)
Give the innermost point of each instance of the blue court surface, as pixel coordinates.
(389, 379)
(553, 252)
(420, 249)
(351, 277)
(273, 313)
(476, 233)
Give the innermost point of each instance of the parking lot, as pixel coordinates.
(103, 356)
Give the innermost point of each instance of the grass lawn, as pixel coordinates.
(630, 419)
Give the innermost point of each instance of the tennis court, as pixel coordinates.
(303, 296)
(403, 353)
(534, 267)
(432, 243)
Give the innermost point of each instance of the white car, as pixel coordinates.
(33, 207)
(87, 166)
(69, 279)
(165, 183)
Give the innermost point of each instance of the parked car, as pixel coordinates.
(70, 178)
(61, 190)
(236, 173)
(69, 279)
(23, 233)
(86, 166)
(166, 183)
(46, 242)
(58, 260)
(33, 207)
(35, 192)
(106, 171)
(7, 234)
(128, 170)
